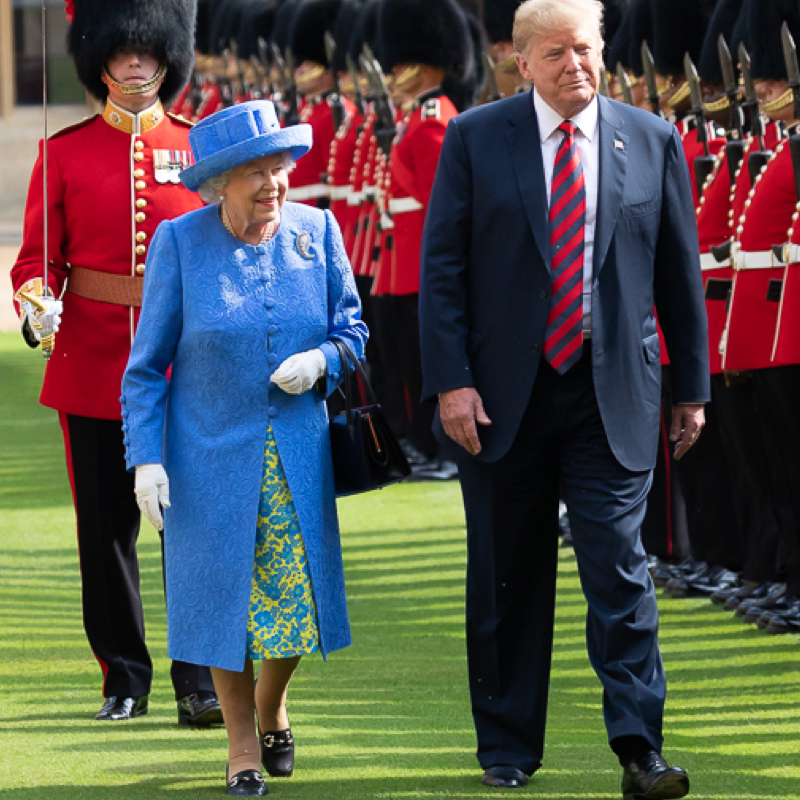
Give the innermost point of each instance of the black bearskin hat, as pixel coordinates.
(618, 46)
(678, 28)
(202, 29)
(641, 30)
(464, 91)
(282, 28)
(498, 19)
(430, 32)
(313, 19)
(346, 20)
(164, 27)
(763, 20)
(256, 21)
(723, 21)
(613, 14)
(225, 24)
(365, 31)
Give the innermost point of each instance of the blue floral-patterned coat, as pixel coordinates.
(224, 315)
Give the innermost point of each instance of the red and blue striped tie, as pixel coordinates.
(564, 337)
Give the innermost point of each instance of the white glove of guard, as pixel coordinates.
(152, 492)
(41, 313)
(301, 371)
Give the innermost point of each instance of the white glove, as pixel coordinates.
(40, 312)
(152, 491)
(301, 371)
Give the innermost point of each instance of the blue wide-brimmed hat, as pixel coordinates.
(237, 135)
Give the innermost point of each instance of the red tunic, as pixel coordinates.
(104, 204)
(692, 148)
(340, 166)
(764, 221)
(413, 162)
(355, 199)
(211, 102)
(307, 184)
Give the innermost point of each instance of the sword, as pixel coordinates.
(624, 84)
(493, 92)
(650, 79)
(703, 165)
(337, 106)
(735, 147)
(757, 159)
(47, 342)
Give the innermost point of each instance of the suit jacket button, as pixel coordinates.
(543, 294)
(535, 349)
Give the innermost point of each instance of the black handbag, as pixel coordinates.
(366, 453)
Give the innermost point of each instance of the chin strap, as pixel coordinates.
(123, 88)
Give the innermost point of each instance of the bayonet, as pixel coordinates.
(292, 115)
(335, 99)
(759, 158)
(703, 165)
(354, 77)
(650, 79)
(625, 85)
(603, 88)
(493, 91)
(736, 125)
(234, 51)
(384, 109)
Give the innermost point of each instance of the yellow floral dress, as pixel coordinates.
(282, 620)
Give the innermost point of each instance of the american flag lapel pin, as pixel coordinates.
(618, 145)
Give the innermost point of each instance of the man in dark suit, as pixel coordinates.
(560, 223)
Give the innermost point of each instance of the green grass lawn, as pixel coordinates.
(386, 718)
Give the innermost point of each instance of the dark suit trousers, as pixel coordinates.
(108, 528)
(512, 532)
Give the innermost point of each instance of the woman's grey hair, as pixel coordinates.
(211, 189)
(537, 18)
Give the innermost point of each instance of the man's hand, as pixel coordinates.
(687, 422)
(460, 409)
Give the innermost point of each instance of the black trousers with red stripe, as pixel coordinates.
(108, 521)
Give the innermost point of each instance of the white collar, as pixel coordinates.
(549, 119)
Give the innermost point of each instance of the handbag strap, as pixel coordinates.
(347, 356)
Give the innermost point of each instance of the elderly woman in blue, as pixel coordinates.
(241, 301)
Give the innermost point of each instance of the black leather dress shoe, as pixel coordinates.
(247, 783)
(117, 708)
(783, 617)
(277, 752)
(749, 590)
(752, 609)
(504, 777)
(199, 709)
(663, 573)
(649, 776)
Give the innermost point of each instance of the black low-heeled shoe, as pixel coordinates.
(277, 752)
(247, 783)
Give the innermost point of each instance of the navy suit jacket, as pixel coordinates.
(485, 292)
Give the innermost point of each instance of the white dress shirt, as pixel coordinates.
(587, 140)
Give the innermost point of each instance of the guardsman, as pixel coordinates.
(498, 22)
(427, 46)
(111, 179)
(315, 82)
(760, 223)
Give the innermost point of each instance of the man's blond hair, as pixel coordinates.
(537, 18)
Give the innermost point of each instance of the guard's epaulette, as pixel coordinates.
(432, 109)
(77, 126)
(187, 122)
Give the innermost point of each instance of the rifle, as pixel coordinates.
(736, 145)
(603, 88)
(703, 165)
(624, 85)
(358, 99)
(491, 79)
(335, 98)
(384, 109)
(234, 51)
(650, 79)
(760, 158)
